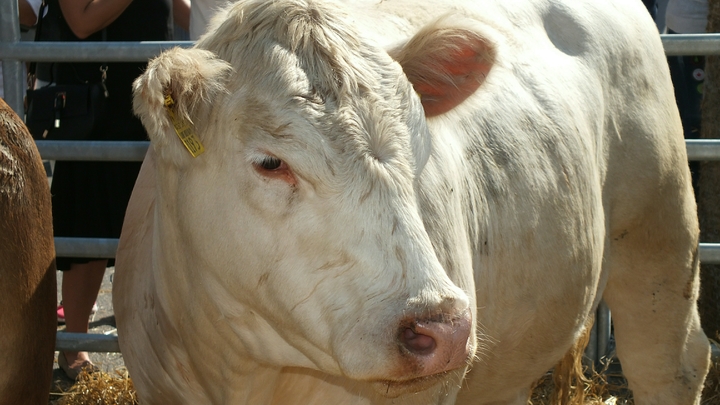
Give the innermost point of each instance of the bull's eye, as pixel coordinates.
(270, 163)
(271, 167)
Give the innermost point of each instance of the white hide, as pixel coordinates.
(539, 168)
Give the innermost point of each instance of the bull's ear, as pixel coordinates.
(192, 78)
(445, 63)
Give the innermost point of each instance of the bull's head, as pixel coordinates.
(300, 223)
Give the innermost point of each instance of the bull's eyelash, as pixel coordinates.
(265, 161)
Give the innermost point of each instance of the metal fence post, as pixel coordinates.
(11, 68)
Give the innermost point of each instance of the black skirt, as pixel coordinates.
(89, 200)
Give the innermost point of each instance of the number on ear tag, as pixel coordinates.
(183, 130)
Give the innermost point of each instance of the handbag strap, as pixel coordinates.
(38, 29)
(38, 32)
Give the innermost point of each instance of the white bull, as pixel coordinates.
(394, 193)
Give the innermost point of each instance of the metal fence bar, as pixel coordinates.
(697, 149)
(87, 342)
(125, 51)
(12, 69)
(118, 151)
(604, 329)
(104, 248)
(709, 253)
(115, 51)
(703, 149)
(691, 44)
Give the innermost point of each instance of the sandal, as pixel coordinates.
(73, 373)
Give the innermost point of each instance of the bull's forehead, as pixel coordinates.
(302, 68)
(325, 43)
(325, 142)
(300, 48)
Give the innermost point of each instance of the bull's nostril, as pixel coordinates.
(433, 343)
(417, 343)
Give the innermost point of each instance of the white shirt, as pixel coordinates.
(201, 12)
(686, 16)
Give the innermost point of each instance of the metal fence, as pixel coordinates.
(13, 53)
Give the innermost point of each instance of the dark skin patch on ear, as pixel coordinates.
(467, 71)
(446, 66)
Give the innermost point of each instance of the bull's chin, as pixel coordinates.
(395, 388)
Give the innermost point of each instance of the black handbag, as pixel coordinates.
(63, 111)
(66, 111)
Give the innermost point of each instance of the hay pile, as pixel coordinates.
(100, 388)
(601, 388)
(610, 388)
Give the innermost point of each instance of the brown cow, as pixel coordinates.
(27, 268)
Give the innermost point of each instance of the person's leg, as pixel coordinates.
(80, 287)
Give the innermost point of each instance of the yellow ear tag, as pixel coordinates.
(183, 130)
